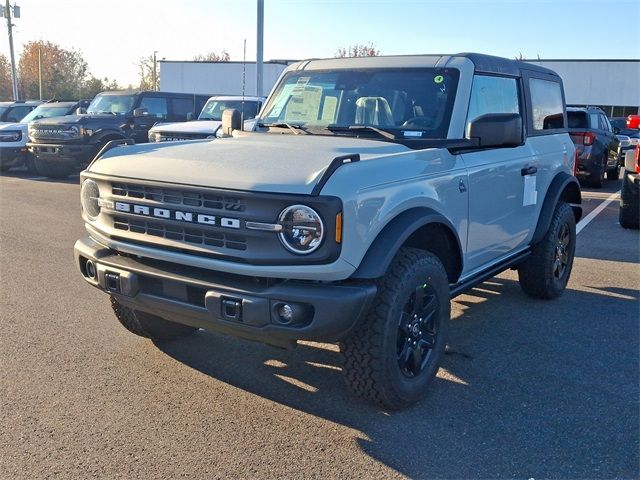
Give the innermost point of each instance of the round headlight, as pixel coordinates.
(73, 131)
(89, 195)
(154, 137)
(302, 229)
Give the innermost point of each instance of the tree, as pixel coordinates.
(358, 50)
(213, 57)
(145, 64)
(6, 87)
(64, 72)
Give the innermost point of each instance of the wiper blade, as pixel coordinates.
(365, 128)
(296, 129)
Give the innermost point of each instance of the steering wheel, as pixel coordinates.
(420, 121)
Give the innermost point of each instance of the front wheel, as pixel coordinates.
(546, 272)
(53, 169)
(394, 354)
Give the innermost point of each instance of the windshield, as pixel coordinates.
(116, 104)
(44, 112)
(410, 102)
(214, 108)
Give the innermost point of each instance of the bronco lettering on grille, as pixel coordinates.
(178, 215)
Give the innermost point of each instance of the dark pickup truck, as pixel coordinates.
(61, 145)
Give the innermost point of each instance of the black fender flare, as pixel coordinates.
(112, 134)
(394, 234)
(563, 187)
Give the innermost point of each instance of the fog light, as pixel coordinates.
(90, 269)
(285, 312)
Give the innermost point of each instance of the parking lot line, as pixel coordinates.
(594, 213)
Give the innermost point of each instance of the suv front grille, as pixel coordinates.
(195, 236)
(179, 197)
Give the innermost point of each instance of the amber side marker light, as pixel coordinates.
(339, 228)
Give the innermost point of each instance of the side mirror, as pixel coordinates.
(496, 130)
(616, 130)
(231, 120)
(189, 116)
(139, 112)
(81, 111)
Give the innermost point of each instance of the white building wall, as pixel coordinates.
(601, 82)
(216, 78)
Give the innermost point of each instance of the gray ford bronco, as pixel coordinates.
(370, 192)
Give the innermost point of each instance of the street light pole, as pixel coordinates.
(7, 14)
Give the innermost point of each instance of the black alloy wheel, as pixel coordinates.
(561, 260)
(417, 331)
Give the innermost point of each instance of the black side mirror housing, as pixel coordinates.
(496, 130)
(616, 130)
(139, 112)
(189, 116)
(81, 111)
(231, 120)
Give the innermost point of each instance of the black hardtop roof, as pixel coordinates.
(62, 103)
(490, 64)
(584, 109)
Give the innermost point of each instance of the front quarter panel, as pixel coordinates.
(376, 191)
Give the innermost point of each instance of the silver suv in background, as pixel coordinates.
(209, 120)
(371, 192)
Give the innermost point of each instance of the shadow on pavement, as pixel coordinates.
(532, 392)
(23, 174)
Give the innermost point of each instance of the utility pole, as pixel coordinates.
(260, 48)
(7, 14)
(155, 71)
(40, 71)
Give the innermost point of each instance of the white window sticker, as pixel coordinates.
(530, 196)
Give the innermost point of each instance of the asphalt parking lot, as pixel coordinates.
(530, 389)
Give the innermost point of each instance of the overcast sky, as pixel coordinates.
(112, 35)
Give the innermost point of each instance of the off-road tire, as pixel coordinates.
(614, 174)
(30, 163)
(148, 325)
(596, 178)
(371, 357)
(540, 275)
(629, 213)
(53, 169)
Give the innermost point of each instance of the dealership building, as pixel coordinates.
(613, 85)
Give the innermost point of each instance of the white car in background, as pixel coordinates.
(209, 120)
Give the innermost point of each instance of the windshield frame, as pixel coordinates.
(403, 133)
(29, 117)
(238, 102)
(127, 100)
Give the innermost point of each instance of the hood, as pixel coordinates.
(266, 162)
(78, 119)
(20, 127)
(195, 126)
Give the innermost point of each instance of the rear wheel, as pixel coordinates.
(629, 213)
(148, 325)
(546, 272)
(614, 174)
(53, 169)
(596, 177)
(394, 354)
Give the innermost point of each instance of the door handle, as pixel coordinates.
(530, 170)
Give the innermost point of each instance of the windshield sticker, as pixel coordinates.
(410, 133)
(438, 79)
(300, 85)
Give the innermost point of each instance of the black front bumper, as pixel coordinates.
(245, 307)
(12, 156)
(67, 153)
